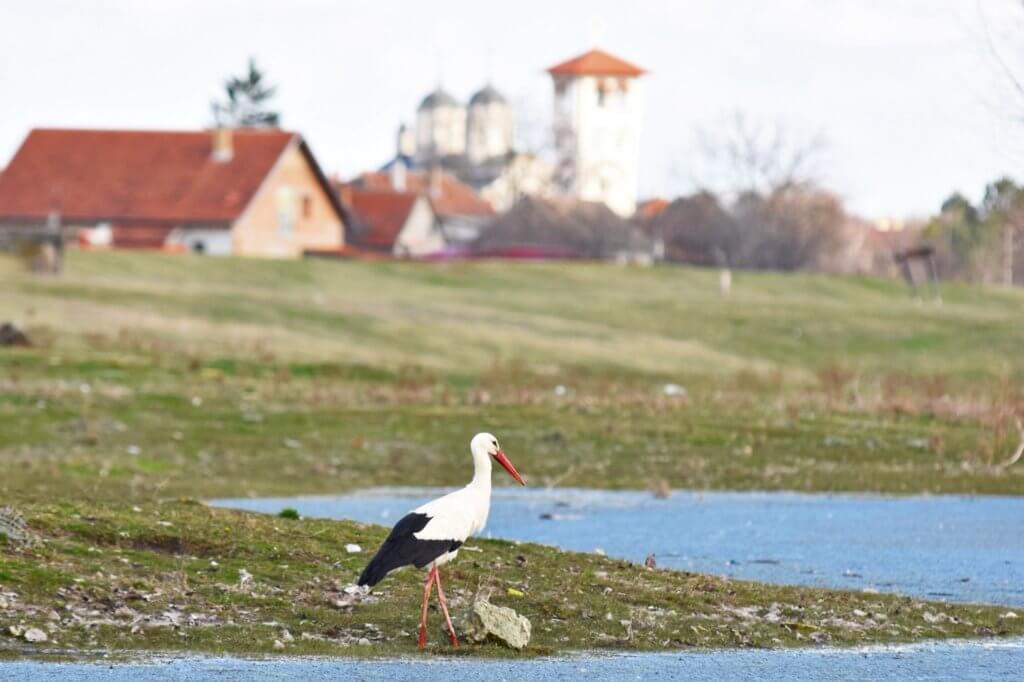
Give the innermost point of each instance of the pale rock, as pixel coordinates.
(278, 644)
(353, 548)
(287, 636)
(498, 622)
(35, 635)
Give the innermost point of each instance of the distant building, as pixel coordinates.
(597, 120)
(396, 223)
(461, 213)
(475, 143)
(249, 192)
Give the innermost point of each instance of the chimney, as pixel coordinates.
(223, 145)
(435, 175)
(398, 175)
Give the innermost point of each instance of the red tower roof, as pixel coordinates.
(596, 63)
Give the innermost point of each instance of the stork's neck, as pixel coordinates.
(481, 472)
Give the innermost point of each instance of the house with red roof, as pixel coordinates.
(399, 224)
(248, 192)
(460, 211)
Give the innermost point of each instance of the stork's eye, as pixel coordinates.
(494, 443)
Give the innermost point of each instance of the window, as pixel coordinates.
(285, 210)
(601, 95)
(307, 206)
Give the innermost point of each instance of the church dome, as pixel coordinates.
(487, 95)
(438, 98)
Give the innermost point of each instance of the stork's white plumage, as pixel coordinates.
(430, 535)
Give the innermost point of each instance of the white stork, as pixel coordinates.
(431, 534)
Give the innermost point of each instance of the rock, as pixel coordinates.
(1009, 614)
(35, 635)
(10, 335)
(363, 641)
(278, 644)
(487, 621)
(353, 548)
(15, 630)
(287, 636)
(674, 390)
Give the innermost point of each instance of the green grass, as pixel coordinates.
(166, 576)
(155, 378)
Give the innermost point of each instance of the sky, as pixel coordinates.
(907, 94)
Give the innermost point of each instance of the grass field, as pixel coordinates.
(155, 378)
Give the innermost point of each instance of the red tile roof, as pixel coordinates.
(381, 215)
(651, 208)
(132, 176)
(596, 63)
(451, 198)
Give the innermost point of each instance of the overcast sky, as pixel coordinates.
(905, 91)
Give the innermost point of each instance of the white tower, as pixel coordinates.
(597, 120)
(440, 127)
(489, 126)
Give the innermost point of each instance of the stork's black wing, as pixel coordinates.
(401, 548)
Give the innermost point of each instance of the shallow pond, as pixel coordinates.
(930, 661)
(939, 547)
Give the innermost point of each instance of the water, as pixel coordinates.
(930, 661)
(937, 547)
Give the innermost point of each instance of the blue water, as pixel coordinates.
(1002, 660)
(938, 547)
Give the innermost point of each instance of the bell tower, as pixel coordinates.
(597, 120)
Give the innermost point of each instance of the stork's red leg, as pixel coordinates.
(444, 608)
(426, 598)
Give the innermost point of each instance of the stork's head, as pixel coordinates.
(487, 445)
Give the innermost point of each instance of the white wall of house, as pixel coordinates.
(212, 242)
(421, 235)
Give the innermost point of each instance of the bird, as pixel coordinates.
(430, 535)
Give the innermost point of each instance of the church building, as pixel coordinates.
(598, 110)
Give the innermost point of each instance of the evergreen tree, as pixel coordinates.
(247, 102)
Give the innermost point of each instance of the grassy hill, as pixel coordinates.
(212, 369)
(464, 318)
(157, 380)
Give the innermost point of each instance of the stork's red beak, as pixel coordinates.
(503, 461)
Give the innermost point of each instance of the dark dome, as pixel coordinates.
(487, 95)
(438, 98)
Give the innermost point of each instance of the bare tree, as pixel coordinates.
(1002, 42)
(744, 156)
